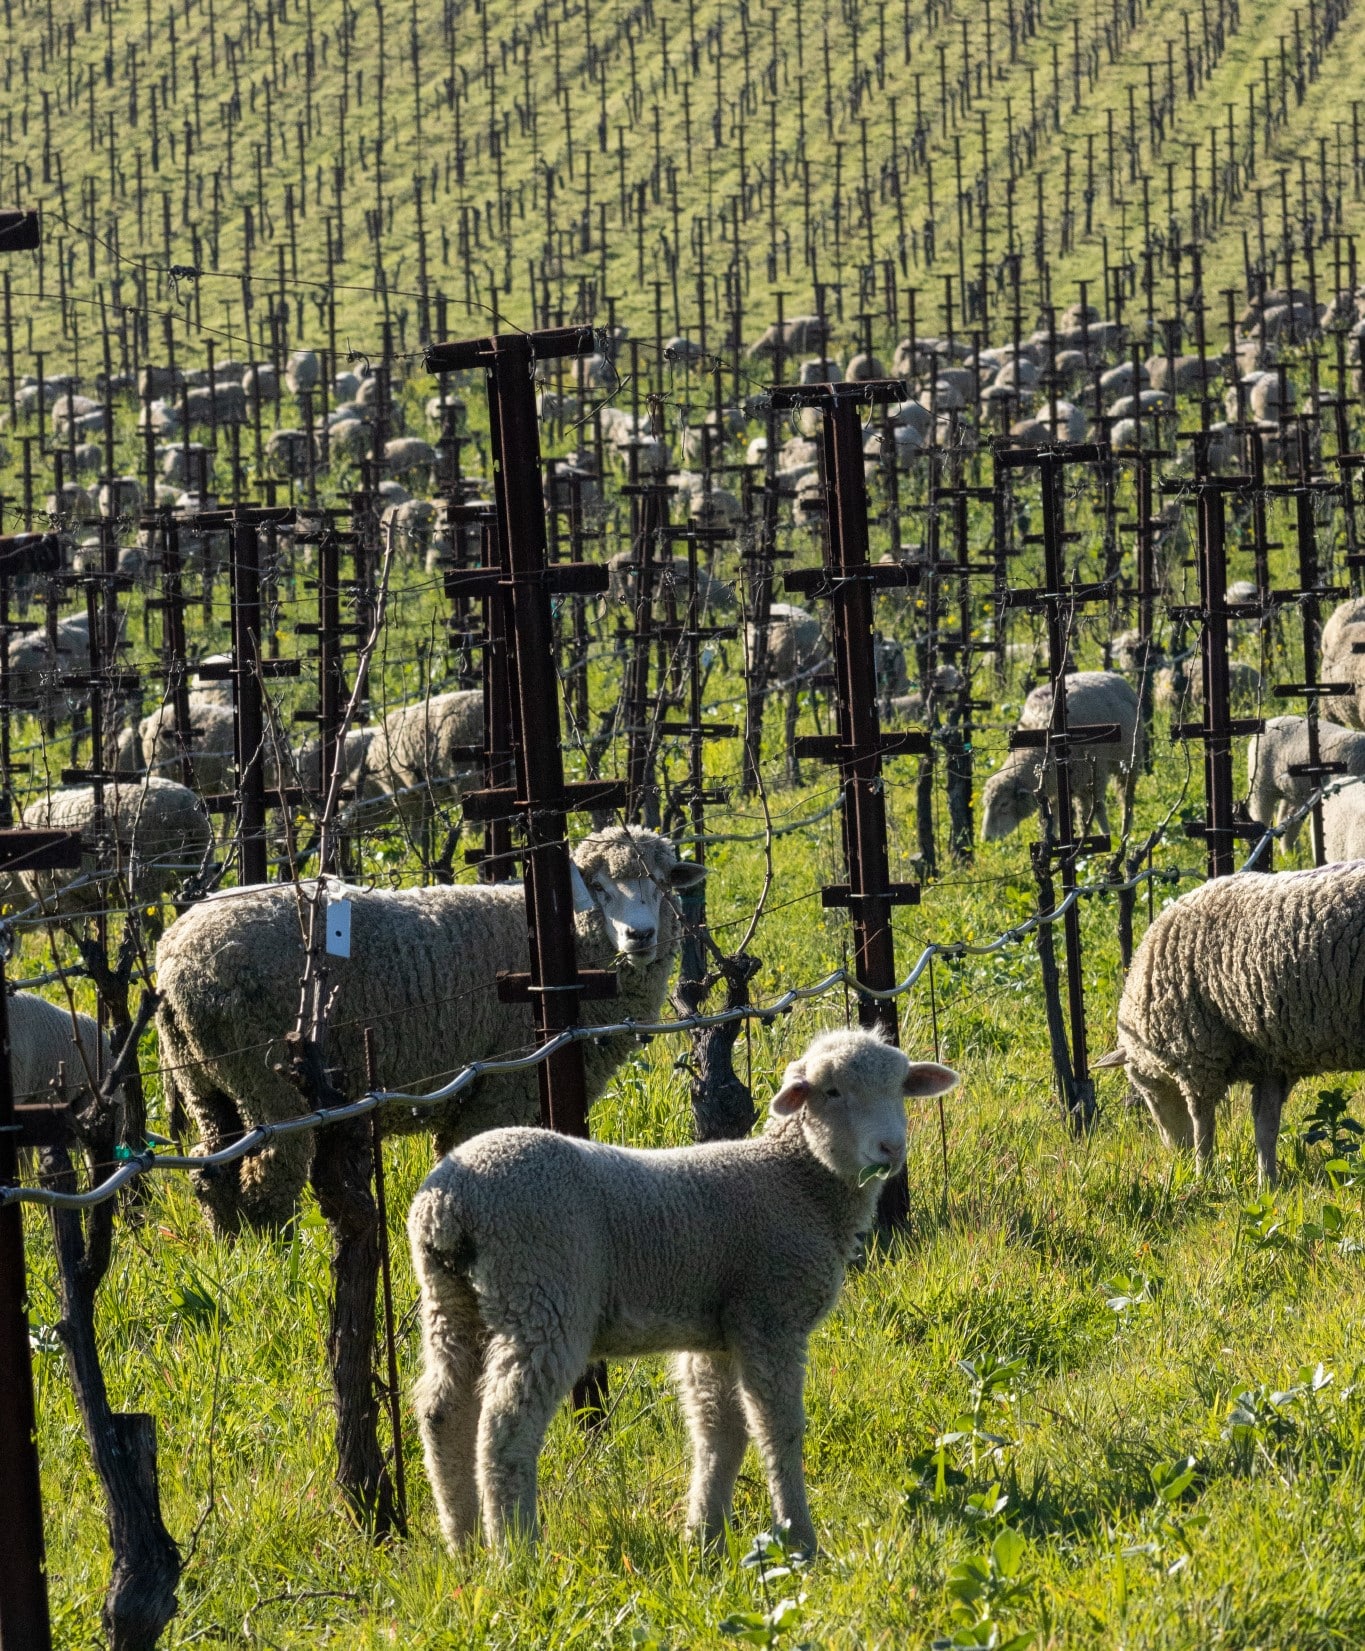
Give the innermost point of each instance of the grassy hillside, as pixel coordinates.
(580, 160)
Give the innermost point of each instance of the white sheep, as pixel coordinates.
(1277, 792)
(796, 641)
(36, 669)
(1250, 978)
(159, 836)
(210, 742)
(1010, 795)
(46, 1061)
(422, 974)
(1340, 663)
(1343, 824)
(537, 1252)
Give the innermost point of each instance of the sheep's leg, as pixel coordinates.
(447, 1399)
(1268, 1096)
(1203, 1112)
(715, 1421)
(522, 1385)
(771, 1383)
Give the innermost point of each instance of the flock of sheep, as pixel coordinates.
(537, 1253)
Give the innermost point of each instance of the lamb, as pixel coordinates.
(537, 1252)
(1244, 686)
(1276, 791)
(160, 832)
(35, 670)
(1252, 979)
(46, 1061)
(1340, 663)
(1010, 795)
(421, 974)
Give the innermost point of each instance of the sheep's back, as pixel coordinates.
(1253, 974)
(420, 975)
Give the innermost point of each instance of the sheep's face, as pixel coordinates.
(630, 895)
(850, 1090)
(1007, 801)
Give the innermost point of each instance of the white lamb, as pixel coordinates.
(537, 1252)
(1276, 791)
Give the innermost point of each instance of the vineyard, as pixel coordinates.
(890, 473)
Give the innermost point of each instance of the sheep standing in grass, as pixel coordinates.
(1276, 791)
(1010, 795)
(1249, 979)
(537, 1252)
(422, 974)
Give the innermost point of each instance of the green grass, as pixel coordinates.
(1260, 1550)
(630, 131)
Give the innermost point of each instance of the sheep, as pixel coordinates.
(210, 743)
(36, 669)
(912, 707)
(160, 835)
(796, 642)
(1276, 791)
(1341, 663)
(1244, 687)
(669, 579)
(1011, 793)
(287, 451)
(302, 372)
(1343, 824)
(1251, 978)
(50, 1058)
(409, 456)
(536, 1252)
(418, 755)
(422, 974)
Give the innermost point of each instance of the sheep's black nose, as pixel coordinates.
(642, 935)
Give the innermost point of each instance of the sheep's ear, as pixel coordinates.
(794, 1093)
(929, 1078)
(1115, 1057)
(582, 894)
(687, 874)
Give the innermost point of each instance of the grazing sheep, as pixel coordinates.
(1250, 979)
(211, 742)
(537, 1252)
(796, 642)
(1343, 824)
(1010, 795)
(912, 707)
(422, 974)
(1244, 686)
(409, 456)
(1276, 792)
(36, 669)
(159, 834)
(46, 1060)
(419, 755)
(287, 451)
(1340, 663)
(670, 578)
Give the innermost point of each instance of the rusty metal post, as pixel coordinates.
(24, 1622)
(540, 797)
(848, 579)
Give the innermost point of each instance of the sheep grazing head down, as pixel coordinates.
(627, 878)
(849, 1091)
(1008, 798)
